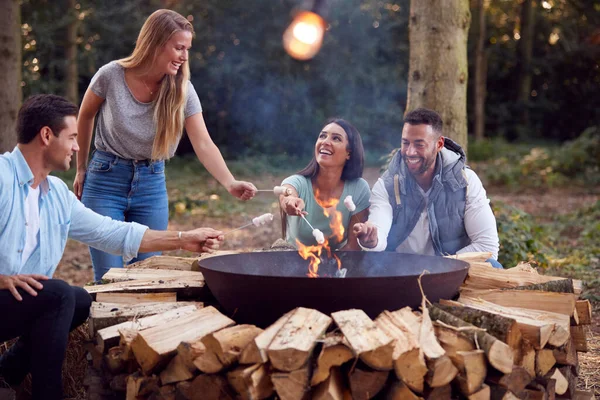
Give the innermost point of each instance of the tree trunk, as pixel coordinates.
(479, 87)
(524, 57)
(10, 78)
(438, 71)
(72, 73)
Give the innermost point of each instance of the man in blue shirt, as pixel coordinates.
(38, 214)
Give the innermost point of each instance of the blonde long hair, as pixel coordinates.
(169, 105)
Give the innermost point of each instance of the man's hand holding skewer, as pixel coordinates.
(201, 240)
(366, 233)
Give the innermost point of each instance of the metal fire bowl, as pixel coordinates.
(258, 288)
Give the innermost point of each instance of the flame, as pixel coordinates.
(313, 253)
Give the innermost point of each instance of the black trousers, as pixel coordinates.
(42, 323)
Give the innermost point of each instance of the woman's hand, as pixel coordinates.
(242, 190)
(78, 183)
(292, 205)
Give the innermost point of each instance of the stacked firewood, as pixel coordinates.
(511, 334)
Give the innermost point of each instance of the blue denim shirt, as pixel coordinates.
(61, 216)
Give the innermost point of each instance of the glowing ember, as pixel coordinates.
(313, 253)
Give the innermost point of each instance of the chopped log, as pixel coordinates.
(166, 262)
(154, 346)
(561, 385)
(183, 390)
(256, 351)
(166, 392)
(544, 361)
(472, 256)
(251, 382)
(535, 326)
(482, 394)
(368, 342)
(559, 336)
(334, 352)
(567, 373)
(210, 387)
(567, 354)
(130, 274)
(208, 362)
(527, 360)
(114, 362)
(498, 353)
(227, 343)
(140, 385)
(184, 287)
(109, 337)
(579, 335)
(441, 371)
(438, 393)
(176, 371)
(408, 358)
(562, 303)
(136, 298)
(559, 286)
(500, 326)
(126, 337)
(481, 276)
(515, 381)
(365, 383)
(292, 385)
(295, 341)
(540, 389)
(195, 356)
(103, 315)
(398, 390)
(501, 393)
(584, 311)
(330, 389)
(472, 370)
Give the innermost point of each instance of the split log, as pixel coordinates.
(334, 352)
(561, 384)
(579, 337)
(498, 325)
(227, 343)
(472, 370)
(544, 361)
(176, 371)
(256, 351)
(136, 298)
(538, 327)
(482, 394)
(482, 276)
(408, 358)
(567, 354)
(103, 315)
(209, 387)
(472, 256)
(438, 393)
(542, 389)
(441, 369)
(292, 385)
(365, 383)
(567, 373)
(398, 390)
(166, 262)
(501, 393)
(114, 362)
(558, 286)
(498, 353)
(166, 392)
(154, 346)
(584, 311)
(293, 344)
(140, 385)
(368, 342)
(562, 303)
(332, 388)
(527, 360)
(516, 381)
(109, 337)
(184, 287)
(251, 382)
(130, 274)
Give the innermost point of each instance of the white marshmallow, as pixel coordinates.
(320, 238)
(349, 204)
(282, 190)
(263, 219)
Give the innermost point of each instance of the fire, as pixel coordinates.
(313, 253)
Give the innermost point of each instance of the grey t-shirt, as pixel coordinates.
(125, 126)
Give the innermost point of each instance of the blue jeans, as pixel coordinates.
(125, 190)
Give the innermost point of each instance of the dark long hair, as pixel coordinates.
(353, 169)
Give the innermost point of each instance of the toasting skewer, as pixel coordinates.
(319, 237)
(257, 221)
(278, 190)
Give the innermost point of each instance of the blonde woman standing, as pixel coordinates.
(142, 103)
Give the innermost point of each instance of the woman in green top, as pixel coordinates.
(319, 190)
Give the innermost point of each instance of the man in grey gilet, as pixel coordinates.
(428, 201)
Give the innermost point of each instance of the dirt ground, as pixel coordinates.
(75, 266)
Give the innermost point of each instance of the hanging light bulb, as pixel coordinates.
(303, 38)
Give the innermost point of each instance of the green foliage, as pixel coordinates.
(521, 238)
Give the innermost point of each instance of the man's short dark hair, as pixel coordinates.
(43, 110)
(425, 116)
